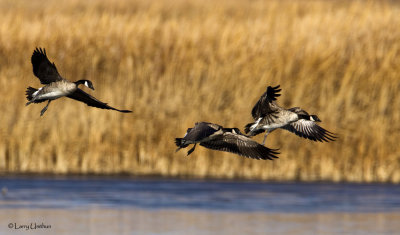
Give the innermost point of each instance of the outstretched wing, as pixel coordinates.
(310, 130)
(263, 106)
(241, 145)
(91, 101)
(43, 68)
(200, 131)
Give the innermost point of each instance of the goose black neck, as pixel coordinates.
(233, 130)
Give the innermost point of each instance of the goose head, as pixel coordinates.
(314, 118)
(85, 82)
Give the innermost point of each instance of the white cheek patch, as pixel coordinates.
(312, 119)
(86, 84)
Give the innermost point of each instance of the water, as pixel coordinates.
(99, 205)
(67, 193)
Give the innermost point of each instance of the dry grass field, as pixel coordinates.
(178, 62)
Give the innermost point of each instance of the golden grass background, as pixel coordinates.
(176, 63)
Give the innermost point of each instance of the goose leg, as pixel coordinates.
(265, 137)
(191, 150)
(30, 102)
(45, 108)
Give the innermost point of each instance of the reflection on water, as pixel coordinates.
(154, 206)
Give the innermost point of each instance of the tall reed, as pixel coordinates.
(176, 63)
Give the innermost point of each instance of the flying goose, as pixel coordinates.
(268, 116)
(56, 86)
(216, 137)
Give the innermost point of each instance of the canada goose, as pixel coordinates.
(56, 86)
(269, 116)
(216, 137)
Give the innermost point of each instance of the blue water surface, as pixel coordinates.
(210, 195)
